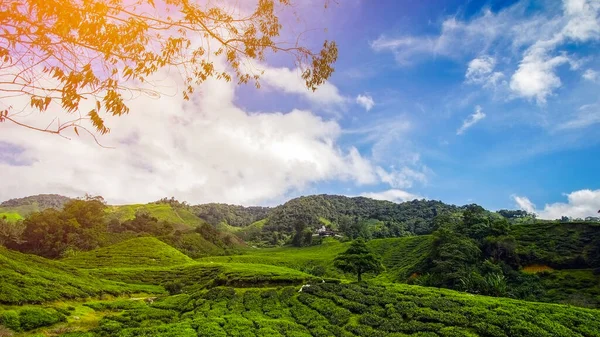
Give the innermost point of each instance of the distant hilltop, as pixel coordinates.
(42, 201)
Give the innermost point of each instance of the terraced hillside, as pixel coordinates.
(32, 279)
(137, 252)
(333, 310)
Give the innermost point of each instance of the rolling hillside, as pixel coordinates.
(17, 209)
(183, 218)
(32, 279)
(137, 252)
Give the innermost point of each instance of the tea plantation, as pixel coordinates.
(322, 309)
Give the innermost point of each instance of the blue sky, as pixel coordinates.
(488, 102)
(524, 144)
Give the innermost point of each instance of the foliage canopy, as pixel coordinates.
(106, 50)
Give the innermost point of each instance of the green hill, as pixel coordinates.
(40, 201)
(32, 279)
(138, 252)
(182, 217)
(233, 215)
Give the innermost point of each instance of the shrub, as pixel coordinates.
(10, 319)
(32, 318)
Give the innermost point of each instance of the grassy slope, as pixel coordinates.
(137, 252)
(31, 279)
(179, 216)
(399, 255)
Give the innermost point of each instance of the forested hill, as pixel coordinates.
(233, 215)
(42, 201)
(296, 220)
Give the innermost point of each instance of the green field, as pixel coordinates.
(137, 252)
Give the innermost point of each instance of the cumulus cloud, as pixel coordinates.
(481, 71)
(535, 77)
(473, 119)
(365, 101)
(580, 204)
(205, 149)
(537, 40)
(394, 195)
(590, 75)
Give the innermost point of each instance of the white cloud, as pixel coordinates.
(524, 203)
(587, 115)
(206, 149)
(580, 204)
(393, 195)
(403, 178)
(473, 119)
(290, 81)
(535, 77)
(481, 71)
(590, 75)
(536, 39)
(365, 101)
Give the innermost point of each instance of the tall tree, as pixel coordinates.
(358, 259)
(66, 51)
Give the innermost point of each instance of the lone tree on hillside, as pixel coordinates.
(60, 52)
(358, 259)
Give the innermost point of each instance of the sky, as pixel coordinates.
(488, 102)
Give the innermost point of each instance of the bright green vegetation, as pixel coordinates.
(251, 233)
(165, 212)
(205, 275)
(400, 256)
(335, 310)
(10, 216)
(194, 245)
(137, 252)
(32, 279)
